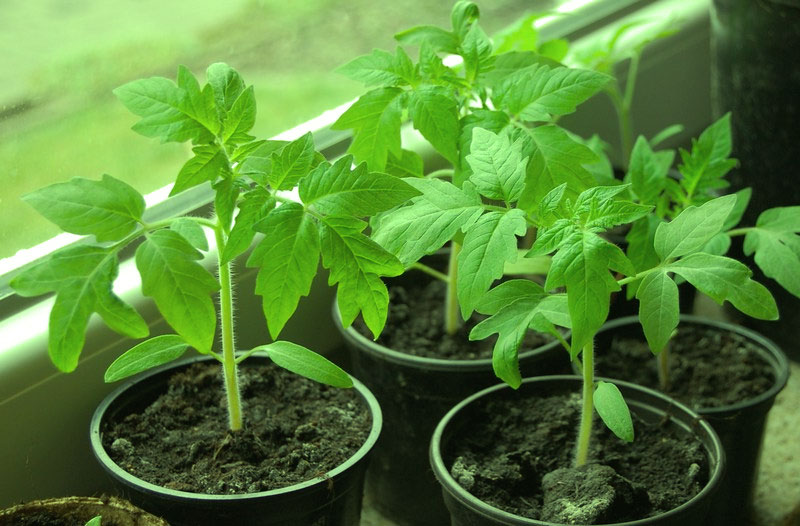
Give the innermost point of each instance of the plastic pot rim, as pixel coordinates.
(422, 362)
(488, 511)
(95, 437)
(772, 352)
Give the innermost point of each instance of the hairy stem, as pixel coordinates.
(229, 367)
(663, 368)
(430, 271)
(587, 410)
(451, 313)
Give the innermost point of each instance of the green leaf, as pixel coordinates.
(355, 263)
(292, 163)
(375, 118)
(648, 171)
(240, 118)
(658, 309)
(226, 83)
(191, 231)
(437, 38)
(488, 244)
(463, 17)
(226, 194)
(197, 103)
(288, 257)
(692, 228)
(510, 322)
(538, 92)
(599, 209)
(256, 160)
(108, 209)
(306, 363)
(430, 221)
(434, 113)
(527, 266)
(148, 354)
(776, 245)
(512, 62)
(555, 158)
(476, 49)
(704, 168)
(582, 265)
(723, 278)
(409, 164)
(180, 286)
(742, 200)
(380, 68)
(82, 276)
(552, 237)
(613, 410)
(498, 169)
(95, 521)
(167, 111)
(255, 206)
(339, 189)
(641, 239)
(208, 164)
(493, 121)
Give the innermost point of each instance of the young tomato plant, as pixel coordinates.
(246, 174)
(492, 117)
(701, 174)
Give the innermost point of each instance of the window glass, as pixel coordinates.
(62, 58)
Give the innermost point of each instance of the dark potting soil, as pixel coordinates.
(295, 430)
(415, 325)
(708, 367)
(517, 456)
(48, 519)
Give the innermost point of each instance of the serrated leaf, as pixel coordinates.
(436, 38)
(613, 410)
(493, 121)
(109, 209)
(164, 110)
(506, 64)
(226, 83)
(488, 244)
(476, 50)
(550, 238)
(118, 315)
(708, 162)
(257, 163)
(582, 265)
(355, 263)
(641, 238)
(510, 322)
(599, 208)
(287, 258)
(539, 92)
(148, 354)
(742, 200)
(306, 363)
(380, 68)
(339, 189)
(550, 208)
(555, 158)
(240, 118)
(180, 286)
(498, 169)
(208, 164)
(692, 228)
(434, 114)
(648, 171)
(659, 309)
(430, 221)
(191, 231)
(226, 193)
(375, 118)
(292, 163)
(196, 102)
(776, 245)
(255, 206)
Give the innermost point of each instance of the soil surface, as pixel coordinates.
(415, 325)
(707, 367)
(48, 519)
(517, 456)
(295, 430)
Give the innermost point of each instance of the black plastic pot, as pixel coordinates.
(740, 426)
(414, 393)
(755, 76)
(332, 499)
(651, 406)
(112, 510)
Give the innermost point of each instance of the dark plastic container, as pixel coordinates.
(740, 426)
(332, 499)
(467, 510)
(414, 393)
(755, 75)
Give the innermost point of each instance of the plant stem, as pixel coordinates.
(430, 271)
(587, 411)
(451, 301)
(663, 368)
(228, 349)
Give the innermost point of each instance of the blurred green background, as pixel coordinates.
(62, 58)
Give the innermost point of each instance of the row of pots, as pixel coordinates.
(408, 473)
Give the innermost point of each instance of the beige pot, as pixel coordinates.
(120, 511)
